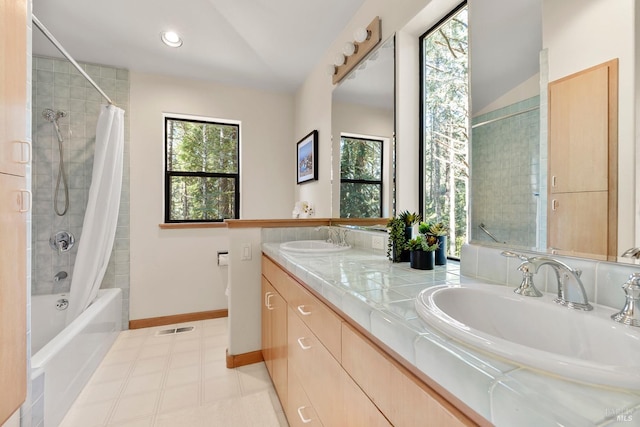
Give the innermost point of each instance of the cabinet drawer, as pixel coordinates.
(299, 410)
(322, 321)
(278, 278)
(383, 380)
(317, 370)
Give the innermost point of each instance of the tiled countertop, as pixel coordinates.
(379, 296)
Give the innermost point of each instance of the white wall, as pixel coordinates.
(175, 271)
(580, 34)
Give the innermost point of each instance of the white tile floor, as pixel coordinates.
(146, 375)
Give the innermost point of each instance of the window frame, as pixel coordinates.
(380, 182)
(170, 174)
(421, 135)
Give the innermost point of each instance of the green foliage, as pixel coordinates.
(446, 116)
(360, 178)
(397, 239)
(209, 150)
(423, 242)
(409, 218)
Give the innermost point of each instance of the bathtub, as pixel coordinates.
(66, 357)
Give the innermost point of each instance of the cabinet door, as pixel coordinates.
(13, 295)
(358, 409)
(274, 337)
(579, 132)
(13, 86)
(586, 212)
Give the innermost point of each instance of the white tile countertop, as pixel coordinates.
(379, 296)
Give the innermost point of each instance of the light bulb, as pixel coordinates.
(171, 38)
(361, 34)
(349, 49)
(331, 69)
(339, 60)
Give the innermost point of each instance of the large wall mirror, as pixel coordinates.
(517, 48)
(363, 130)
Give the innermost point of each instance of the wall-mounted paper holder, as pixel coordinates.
(223, 258)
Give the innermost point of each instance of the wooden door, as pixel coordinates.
(13, 295)
(583, 158)
(14, 150)
(14, 202)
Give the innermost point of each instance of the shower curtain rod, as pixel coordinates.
(504, 117)
(62, 50)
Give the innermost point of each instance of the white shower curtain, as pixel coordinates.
(101, 215)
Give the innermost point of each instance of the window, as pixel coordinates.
(444, 122)
(360, 177)
(202, 176)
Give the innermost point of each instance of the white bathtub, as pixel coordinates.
(71, 354)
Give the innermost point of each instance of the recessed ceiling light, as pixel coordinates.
(171, 38)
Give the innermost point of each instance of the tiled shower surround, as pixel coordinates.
(505, 159)
(59, 86)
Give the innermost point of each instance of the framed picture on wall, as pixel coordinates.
(307, 158)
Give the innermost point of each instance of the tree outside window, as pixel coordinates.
(445, 116)
(360, 177)
(202, 170)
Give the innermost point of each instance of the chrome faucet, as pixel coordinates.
(337, 236)
(564, 276)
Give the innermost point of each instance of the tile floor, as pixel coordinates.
(145, 376)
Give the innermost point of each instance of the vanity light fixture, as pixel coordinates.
(171, 38)
(354, 52)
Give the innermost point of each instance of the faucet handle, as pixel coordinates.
(629, 315)
(510, 254)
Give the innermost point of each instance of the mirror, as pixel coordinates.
(363, 110)
(509, 111)
(507, 198)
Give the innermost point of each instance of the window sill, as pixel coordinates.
(186, 225)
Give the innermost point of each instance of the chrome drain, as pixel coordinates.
(62, 304)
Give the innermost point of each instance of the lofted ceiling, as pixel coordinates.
(270, 44)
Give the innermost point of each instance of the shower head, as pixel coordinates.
(53, 116)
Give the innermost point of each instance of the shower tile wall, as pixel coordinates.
(505, 159)
(58, 85)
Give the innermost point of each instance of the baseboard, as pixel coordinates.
(236, 360)
(177, 318)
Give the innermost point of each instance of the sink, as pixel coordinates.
(536, 332)
(312, 246)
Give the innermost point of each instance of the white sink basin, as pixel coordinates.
(312, 246)
(536, 332)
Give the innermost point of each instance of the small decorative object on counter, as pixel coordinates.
(422, 249)
(303, 209)
(397, 239)
(440, 231)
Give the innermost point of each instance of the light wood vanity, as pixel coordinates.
(328, 371)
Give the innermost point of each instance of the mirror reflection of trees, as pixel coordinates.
(202, 170)
(360, 177)
(445, 103)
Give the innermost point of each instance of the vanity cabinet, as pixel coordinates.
(335, 375)
(274, 337)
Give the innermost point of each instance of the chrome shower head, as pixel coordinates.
(53, 116)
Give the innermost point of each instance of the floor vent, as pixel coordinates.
(175, 330)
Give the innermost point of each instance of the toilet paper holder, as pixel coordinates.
(223, 258)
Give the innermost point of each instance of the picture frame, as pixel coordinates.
(307, 158)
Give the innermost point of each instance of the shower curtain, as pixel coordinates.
(101, 215)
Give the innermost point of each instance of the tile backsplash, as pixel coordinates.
(602, 280)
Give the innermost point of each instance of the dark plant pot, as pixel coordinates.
(404, 256)
(441, 252)
(422, 260)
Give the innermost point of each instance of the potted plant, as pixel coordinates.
(440, 231)
(397, 239)
(410, 219)
(421, 249)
